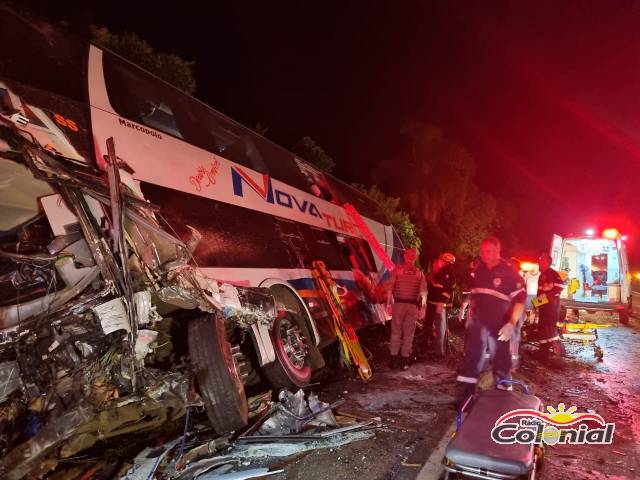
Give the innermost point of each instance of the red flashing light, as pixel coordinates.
(528, 266)
(611, 233)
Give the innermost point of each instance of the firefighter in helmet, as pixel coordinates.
(440, 283)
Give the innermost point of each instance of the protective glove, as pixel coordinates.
(506, 332)
(389, 310)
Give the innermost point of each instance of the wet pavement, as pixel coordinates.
(610, 387)
(413, 406)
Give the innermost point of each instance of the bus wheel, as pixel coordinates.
(292, 365)
(216, 371)
(623, 316)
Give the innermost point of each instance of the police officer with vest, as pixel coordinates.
(408, 287)
(440, 285)
(497, 303)
(550, 286)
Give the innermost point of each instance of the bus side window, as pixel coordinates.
(359, 253)
(140, 97)
(231, 141)
(322, 245)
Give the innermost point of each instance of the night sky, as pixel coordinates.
(544, 95)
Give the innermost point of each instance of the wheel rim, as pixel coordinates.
(293, 343)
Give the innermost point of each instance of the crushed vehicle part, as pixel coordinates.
(20, 461)
(322, 411)
(207, 449)
(259, 404)
(11, 315)
(270, 449)
(143, 343)
(10, 380)
(261, 451)
(84, 263)
(288, 412)
(202, 466)
(147, 462)
(10, 411)
(241, 475)
(291, 414)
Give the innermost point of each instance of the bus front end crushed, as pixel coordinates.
(91, 289)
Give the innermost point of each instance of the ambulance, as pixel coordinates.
(595, 271)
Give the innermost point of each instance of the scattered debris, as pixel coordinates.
(301, 430)
(241, 475)
(85, 354)
(292, 413)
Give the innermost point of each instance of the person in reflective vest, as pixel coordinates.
(408, 287)
(497, 303)
(550, 286)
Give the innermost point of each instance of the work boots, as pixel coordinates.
(404, 363)
(394, 362)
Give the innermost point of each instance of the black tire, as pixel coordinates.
(623, 317)
(218, 380)
(286, 372)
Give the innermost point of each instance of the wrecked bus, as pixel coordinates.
(596, 273)
(147, 240)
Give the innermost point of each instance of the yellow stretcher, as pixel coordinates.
(351, 352)
(583, 332)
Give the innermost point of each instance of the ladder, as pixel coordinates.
(351, 352)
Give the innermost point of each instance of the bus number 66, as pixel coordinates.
(65, 122)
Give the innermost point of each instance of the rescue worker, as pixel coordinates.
(466, 289)
(550, 286)
(440, 283)
(408, 287)
(531, 278)
(497, 303)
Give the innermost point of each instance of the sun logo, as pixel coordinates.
(561, 415)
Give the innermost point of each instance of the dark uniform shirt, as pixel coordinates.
(550, 278)
(467, 281)
(493, 291)
(440, 285)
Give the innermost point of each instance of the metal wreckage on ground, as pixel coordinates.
(91, 285)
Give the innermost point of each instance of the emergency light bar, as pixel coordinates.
(527, 266)
(611, 233)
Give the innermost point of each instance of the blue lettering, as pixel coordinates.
(265, 190)
(313, 211)
(303, 207)
(287, 199)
